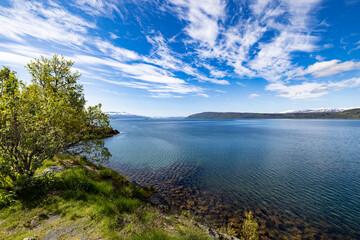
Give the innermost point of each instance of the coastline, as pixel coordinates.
(216, 213)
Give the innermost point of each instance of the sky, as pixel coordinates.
(179, 57)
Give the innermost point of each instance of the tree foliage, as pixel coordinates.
(45, 117)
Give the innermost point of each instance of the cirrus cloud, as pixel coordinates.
(328, 68)
(311, 89)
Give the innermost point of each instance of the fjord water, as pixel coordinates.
(308, 169)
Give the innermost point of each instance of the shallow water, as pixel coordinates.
(308, 170)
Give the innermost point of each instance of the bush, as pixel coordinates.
(6, 199)
(35, 189)
(107, 173)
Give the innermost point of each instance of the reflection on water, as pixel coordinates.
(300, 177)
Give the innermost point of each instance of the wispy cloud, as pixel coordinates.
(99, 7)
(54, 24)
(311, 90)
(165, 95)
(42, 22)
(253, 95)
(260, 39)
(239, 45)
(163, 56)
(202, 16)
(328, 68)
(109, 91)
(241, 84)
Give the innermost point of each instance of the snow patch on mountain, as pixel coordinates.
(314, 110)
(123, 115)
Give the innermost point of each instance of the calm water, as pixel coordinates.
(308, 169)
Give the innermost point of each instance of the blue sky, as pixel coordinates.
(178, 57)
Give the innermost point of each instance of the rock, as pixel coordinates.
(69, 164)
(53, 169)
(214, 234)
(226, 236)
(113, 132)
(91, 169)
(158, 200)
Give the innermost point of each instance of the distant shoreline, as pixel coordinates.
(347, 114)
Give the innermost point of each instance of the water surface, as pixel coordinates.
(306, 169)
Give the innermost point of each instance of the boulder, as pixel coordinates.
(53, 169)
(113, 132)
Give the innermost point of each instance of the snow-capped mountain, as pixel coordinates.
(314, 110)
(123, 115)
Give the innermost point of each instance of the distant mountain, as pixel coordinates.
(168, 118)
(346, 114)
(124, 115)
(313, 110)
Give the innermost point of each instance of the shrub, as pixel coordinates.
(35, 189)
(6, 199)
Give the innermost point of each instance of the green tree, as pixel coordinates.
(250, 228)
(45, 117)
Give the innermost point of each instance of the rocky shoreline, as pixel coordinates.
(179, 194)
(176, 194)
(111, 133)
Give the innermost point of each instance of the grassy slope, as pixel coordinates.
(348, 114)
(79, 203)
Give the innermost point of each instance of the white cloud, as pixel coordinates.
(109, 91)
(114, 36)
(220, 91)
(203, 95)
(273, 61)
(99, 7)
(217, 73)
(311, 90)
(164, 95)
(56, 24)
(241, 84)
(140, 71)
(262, 45)
(7, 57)
(117, 53)
(145, 76)
(203, 17)
(253, 95)
(319, 58)
(240, 45)
(163, 56)
(328, 68)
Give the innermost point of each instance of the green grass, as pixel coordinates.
(78, 203)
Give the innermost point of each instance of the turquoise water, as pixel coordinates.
(308, 169)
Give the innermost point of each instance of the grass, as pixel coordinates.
(81, 203)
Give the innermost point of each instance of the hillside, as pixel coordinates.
(124, 115)
(347, 114)
(71, 198)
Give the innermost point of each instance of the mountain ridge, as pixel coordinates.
(312, 110)
(346, 114)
